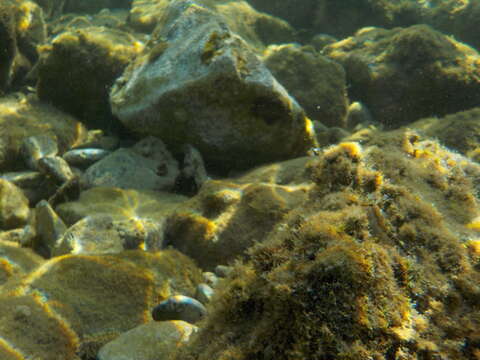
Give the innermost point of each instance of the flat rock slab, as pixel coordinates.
(201, 84)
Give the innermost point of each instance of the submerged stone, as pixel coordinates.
(201, 84)
(179, 307)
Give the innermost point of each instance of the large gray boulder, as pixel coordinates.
(201, 84)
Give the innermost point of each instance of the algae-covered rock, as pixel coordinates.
(100, 297)
(77, 69)
(405, 74)
(30, 329)
(8, 40)
(16, 261)
(256, 28)
(371, 265)
(459, 131)
(228, 216)
(316, 82)
(14, 210)
(150, 341)
(200, 84)
(120, 204)
(101, 234)
(24, 117)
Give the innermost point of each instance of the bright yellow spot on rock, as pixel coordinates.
(473, 246)
(474, 225)
(353, 149)
(7, 348)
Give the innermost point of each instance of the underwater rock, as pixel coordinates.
(148, 165)
(24, 179)
(200, 84)
(204, 293)
(8, 40)
(210, 278)
(100, 234)
(358, 116)
(84, 157)
(228, 216)
(14, 210)
(193, 173)
(55, 168)
(120, 204)
(35, 147)
(31, 330)
(16, 260)
(379, 246)
(96, 298)
(405, 74)
(22, 117)
(150, 341)
(93, 58)
(179, 307)
(223, 271)
(49, 228)
(256, 28)
(459, 131)
(315, 81)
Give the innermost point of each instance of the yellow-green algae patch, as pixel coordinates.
(100, 297)
(23, 117)
(371, 266)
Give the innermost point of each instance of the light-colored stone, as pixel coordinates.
(49, 227)
(146, 166)
(150, 341)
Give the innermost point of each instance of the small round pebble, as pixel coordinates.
(210, 278)
(84, 157)
(204, 293)
(223, 270)
(179, 307)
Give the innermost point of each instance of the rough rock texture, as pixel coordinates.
(89, 300)
(148, 165)
(200, 84)
(77, 69)
(150, 341)
(22, 117)
(403, 75)
(316, 82)
(228, 216)
(381, 261)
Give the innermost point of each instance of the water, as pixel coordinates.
(307, 169)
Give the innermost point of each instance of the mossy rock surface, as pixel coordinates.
(23, 117)
(120, 204)
(79, 66)
(372, 264)
(318, 84)
(405, 74)
(228, 216)
(99, 297)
